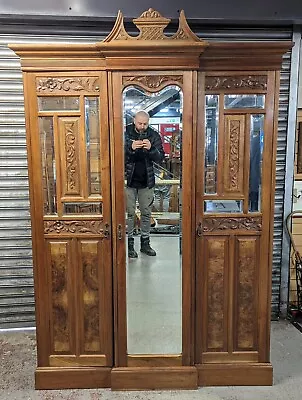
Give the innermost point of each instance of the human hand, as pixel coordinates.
(146, 144)
(137, 144)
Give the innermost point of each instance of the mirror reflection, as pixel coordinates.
(152, 141)
(256, 150)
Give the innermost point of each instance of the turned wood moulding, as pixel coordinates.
(152, 49)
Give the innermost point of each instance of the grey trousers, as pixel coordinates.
(145, 199)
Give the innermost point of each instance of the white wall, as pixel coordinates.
(300, 80)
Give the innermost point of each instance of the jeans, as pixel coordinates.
(145, 199)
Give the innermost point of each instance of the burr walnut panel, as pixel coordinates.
(216, 256)
(234, 154)
(246, 284)
(89, 259)
(61, 333)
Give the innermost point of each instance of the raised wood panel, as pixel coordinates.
(70, 161)
(78, 361)
(154, 360)
(233, 168)
(216, 251)
(150, 378)
(72, 378)
(246, 293)
(61, 308)
(89, 255)
(80, 315)
(235, 374)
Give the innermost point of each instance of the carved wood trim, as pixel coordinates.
(151, 25)
(77, 227)
(71, 158)
(153, 83)
(68, 84)
(235, 223)
(236, 82)
(234, 153)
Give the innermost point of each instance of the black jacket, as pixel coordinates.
(155, 154)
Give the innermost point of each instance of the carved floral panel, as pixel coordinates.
(153, 82)
(83, 227)
(69, 138)
(236, 82)
(57, 85)
(234, 154)
(224, 224)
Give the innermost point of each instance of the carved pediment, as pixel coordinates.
(151, 25)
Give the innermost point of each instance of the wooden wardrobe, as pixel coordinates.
(229, 122)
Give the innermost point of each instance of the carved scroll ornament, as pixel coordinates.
(71, 84)
(76, 227)
(234, 154)
(71, 162)
(151, 25)
(152, 82)
(222, 224)
(236, 82)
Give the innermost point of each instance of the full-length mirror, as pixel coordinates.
(152, 140)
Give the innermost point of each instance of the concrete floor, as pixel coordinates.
(18, 360)
(154, 292)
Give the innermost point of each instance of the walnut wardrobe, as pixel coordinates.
(74, 121)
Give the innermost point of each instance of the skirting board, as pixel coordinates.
(258, 374)
(144, 378)
(72, 378)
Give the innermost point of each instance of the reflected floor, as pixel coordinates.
(154, 298)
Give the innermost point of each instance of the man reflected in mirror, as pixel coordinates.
(143, 147)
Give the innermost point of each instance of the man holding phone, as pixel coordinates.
(143, 146)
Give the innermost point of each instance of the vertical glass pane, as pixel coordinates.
(211, 143)
(256, 150)
(48, 164)
(92, 131)
(154, 284)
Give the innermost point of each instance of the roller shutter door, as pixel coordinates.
(16, 273)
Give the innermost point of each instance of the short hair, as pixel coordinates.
(142, 113)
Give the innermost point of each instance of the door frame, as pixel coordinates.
(187, 81)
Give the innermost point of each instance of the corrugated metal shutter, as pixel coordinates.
(16, 272)
(16, 277)
(270, 34)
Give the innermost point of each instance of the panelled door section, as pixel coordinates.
(72, 213)
(234, 177)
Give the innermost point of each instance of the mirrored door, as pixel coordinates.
(150, 203)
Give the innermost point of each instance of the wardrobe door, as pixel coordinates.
(68, 152)
(235, 154)
(154, 303)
